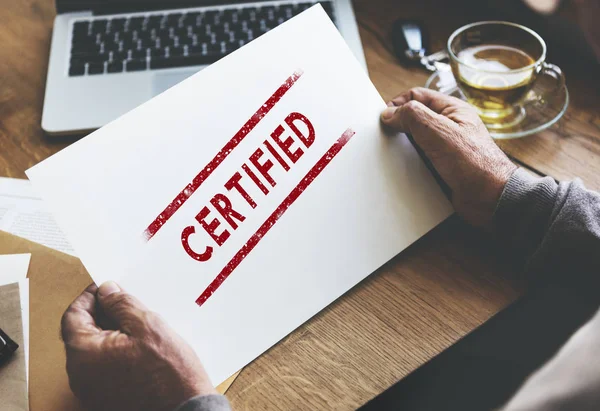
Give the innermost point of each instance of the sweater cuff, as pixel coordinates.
(213, 402)
(523, 212)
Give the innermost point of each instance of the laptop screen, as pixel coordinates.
(103, 6)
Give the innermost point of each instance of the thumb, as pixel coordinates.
(124, 311)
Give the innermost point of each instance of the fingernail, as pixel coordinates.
(388, 113)
(108, 288)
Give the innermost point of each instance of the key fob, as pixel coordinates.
(410, 41)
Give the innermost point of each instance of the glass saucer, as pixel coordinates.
(540, 113)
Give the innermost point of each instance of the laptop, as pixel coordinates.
(109, 56)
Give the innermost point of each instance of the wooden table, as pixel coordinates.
(418, 304)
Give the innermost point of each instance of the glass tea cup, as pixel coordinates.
(495, 65)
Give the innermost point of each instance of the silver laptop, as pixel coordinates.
(109, 56)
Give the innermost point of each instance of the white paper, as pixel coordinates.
(13, 269)
(23, 214)
(371, 201)
(24, 294)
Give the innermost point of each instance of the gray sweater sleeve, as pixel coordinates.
(556, 229)
(206, 403)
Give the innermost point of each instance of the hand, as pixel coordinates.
(121, 356)
(457, 143)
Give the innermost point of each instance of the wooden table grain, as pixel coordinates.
(418, 304)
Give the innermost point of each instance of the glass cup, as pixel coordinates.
(495, 64)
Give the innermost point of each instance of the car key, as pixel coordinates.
(410, 41)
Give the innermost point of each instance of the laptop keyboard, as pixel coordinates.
(173, 39)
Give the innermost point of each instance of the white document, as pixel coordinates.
(13, 269)
(24, 294)
(139, 199)
(23, 214)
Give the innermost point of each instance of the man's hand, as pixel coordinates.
(455, 140)
(121, 356)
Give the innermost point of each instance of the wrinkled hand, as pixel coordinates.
(457, 143)
(121, 356)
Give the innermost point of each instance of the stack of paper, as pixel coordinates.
(23, 214)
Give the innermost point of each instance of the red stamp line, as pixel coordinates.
(183, 196)
(276, 215)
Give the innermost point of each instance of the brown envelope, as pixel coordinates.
(13, 378)
(55, 280)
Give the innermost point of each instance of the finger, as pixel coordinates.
(436, 101)
(78, 321)
(127, 313)
(413, 117)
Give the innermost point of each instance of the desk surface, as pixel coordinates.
(418, 304)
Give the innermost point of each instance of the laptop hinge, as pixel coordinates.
(99, 7)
